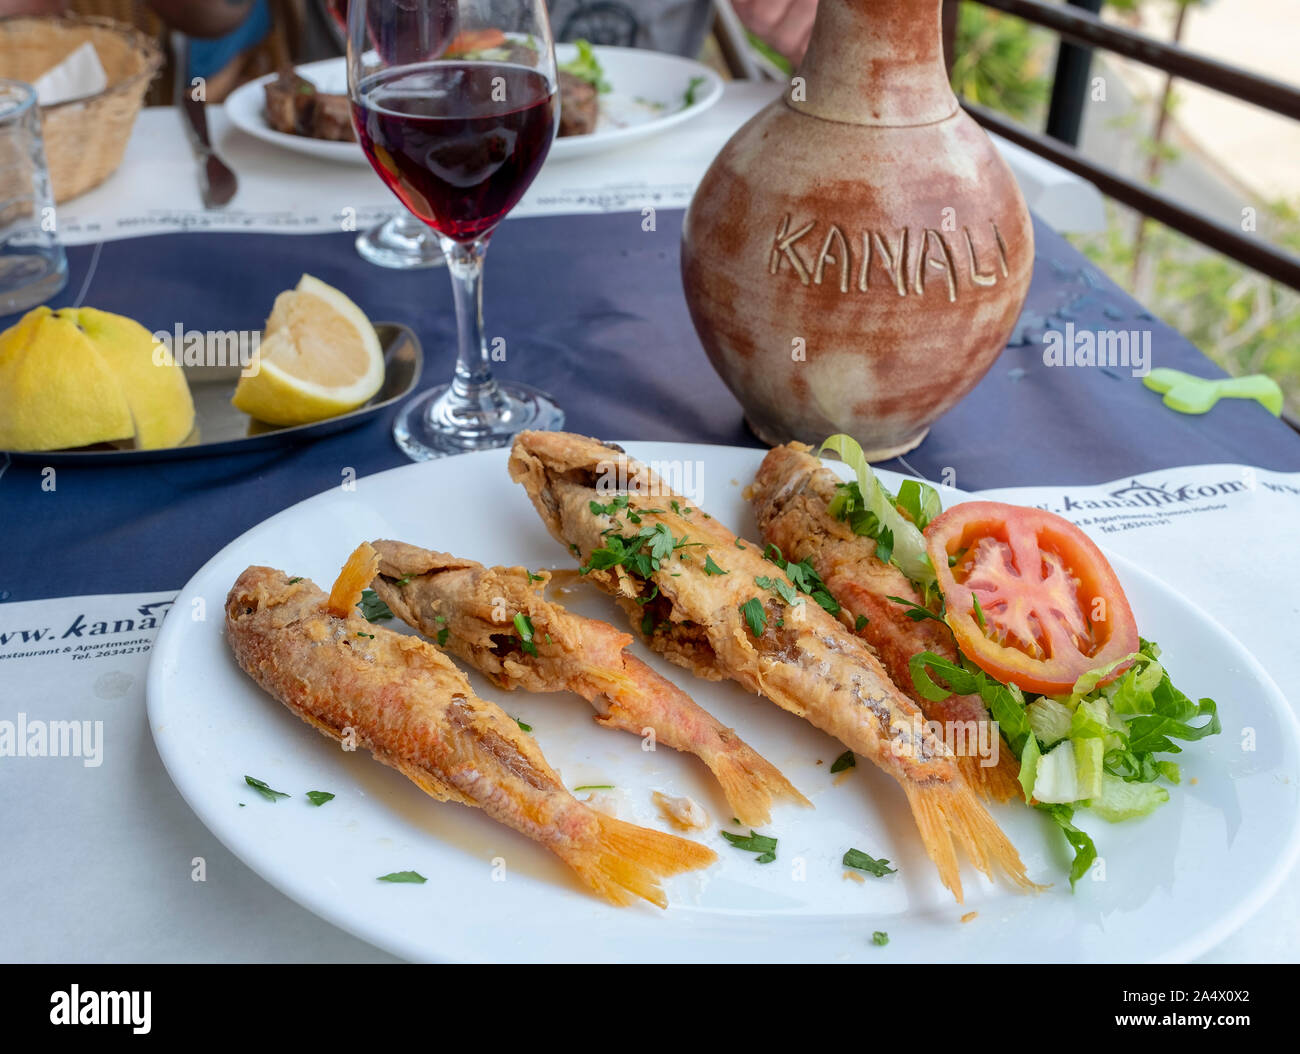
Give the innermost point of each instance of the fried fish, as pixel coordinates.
(791, 496)
(709, 601)
(407, 703)
(498, 620)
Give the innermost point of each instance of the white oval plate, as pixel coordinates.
(647, 96)
(1175, 883)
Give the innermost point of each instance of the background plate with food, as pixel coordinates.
(635, 94)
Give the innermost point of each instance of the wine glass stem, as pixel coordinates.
(473, 385)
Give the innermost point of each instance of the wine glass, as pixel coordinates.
(456, 108)
(399, 241)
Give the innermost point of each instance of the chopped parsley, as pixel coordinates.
(848, 506)
(843, 762)
(370, 635)
(979, 611)
(292, 581)
(880, 938)
(640, 553)
(594, 787)
(319, 798)
(755, 614)
(648, 624)
(761, 844)
(405, 580)
(535, 578)
(739, 544)
(805, 579)
(860, 861)
(691, 87)
(265, 791)
(523, 727)
(403, 876)
(860, 623)
(524, 627)
(372, 608)
(441, 638)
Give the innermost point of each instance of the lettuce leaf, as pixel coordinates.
(904, 540)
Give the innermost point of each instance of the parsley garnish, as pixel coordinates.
(594, 787)
(915, 611)
(710, 568)
(265, 791)
(880, 938)
(372, 608)
(979, 611)
(654, 592)
(523, 727)
(524, 627)
(319, 798)
(860, 623)
(403, 876)
(804, 577)
(755, 614)
(535, 578)
(762, 844)
(405, 580)
(739, 544)
(844, 761)
(648, 624)
(441, 638)
(370, 635)
(860, 861)
(293, 580)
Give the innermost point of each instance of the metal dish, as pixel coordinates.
(221, 429)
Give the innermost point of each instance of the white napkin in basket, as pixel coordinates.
(80, 75)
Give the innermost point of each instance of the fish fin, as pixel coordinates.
(949, 815)
(750, 782)
(627, 861)
(427, 782)
(999, 783)
(355, 575)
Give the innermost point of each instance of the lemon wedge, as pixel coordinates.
(319, 357)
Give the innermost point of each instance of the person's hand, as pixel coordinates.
(785, 24)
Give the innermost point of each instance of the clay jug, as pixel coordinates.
(858, 253)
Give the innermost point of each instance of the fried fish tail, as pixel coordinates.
(648, 703)
(623, 861)
(949, 816)
(999, 782)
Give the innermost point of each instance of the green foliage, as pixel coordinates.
(1002, 62)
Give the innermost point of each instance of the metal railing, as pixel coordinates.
(1081, 31)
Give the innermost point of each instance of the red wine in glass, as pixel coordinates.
(457, 142)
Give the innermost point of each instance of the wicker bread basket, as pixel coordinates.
(84, 138)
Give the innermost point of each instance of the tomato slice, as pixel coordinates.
(1050, 605)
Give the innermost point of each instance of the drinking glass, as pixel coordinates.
(32, 264)
(455, 105)
(401, 242)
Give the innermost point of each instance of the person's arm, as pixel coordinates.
(202, 18)
(785, 24)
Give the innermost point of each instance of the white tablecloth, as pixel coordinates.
(156, 188)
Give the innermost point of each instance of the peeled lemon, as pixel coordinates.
(79, 376)
(153, 384)
(320, 357)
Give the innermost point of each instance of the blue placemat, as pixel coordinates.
(591, 309)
